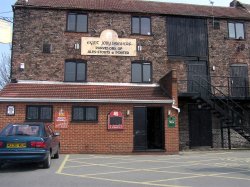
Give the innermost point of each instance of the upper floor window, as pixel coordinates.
(75, 71)
(39, 113)
(141, 72)
(141, 25)
(236, 30)
(81, 113)
(77, 22)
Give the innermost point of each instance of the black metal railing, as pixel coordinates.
(218, 98)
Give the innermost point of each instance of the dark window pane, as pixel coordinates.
(78, 114)
(71, 22)
(136, 72)
(81, 72)
(239, 31)
(146, 72)
(91, 114)
(81, 23)
(135, 25)
(32, 113)
(145, 26)
(45, 113)
(231, 30)
(70, 71)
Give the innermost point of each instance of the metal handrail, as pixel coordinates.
(227, 105)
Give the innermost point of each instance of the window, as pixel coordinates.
(75, 71)
(216, 24)
(39, 113)
(77, 22)
(141, 25)
(47, 48)
(80, 113)
(141, 72)
(236, 30)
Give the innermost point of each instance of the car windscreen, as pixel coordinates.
(21, 130)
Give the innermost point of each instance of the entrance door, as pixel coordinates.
(148, 128)
(200, 126)
(197, 77)
(239, 80)
(140, 128)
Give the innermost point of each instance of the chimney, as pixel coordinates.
(234, 3)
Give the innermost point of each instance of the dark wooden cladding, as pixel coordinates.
(187, 37)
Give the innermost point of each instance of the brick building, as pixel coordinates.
(105, 74)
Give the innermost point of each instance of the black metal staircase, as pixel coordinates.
(230, 113)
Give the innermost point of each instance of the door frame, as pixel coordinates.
(234, 93)
(162, 121)
(190, 129)
(190, 75)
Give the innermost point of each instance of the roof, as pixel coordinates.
(140, 6)
(25, 92)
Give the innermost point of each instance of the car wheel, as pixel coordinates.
(56, 156)
(47, 161)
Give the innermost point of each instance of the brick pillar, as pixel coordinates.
(169, 84)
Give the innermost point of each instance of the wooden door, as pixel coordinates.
(197, 77)
(239, 80)
(200, 126)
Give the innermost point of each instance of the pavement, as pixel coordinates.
(194, 169)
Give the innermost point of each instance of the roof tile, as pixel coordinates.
(69, 91)
(141, 7)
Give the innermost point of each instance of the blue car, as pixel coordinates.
(28, 142)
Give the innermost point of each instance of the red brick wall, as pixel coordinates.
(94, 137)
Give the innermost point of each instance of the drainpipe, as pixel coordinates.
(175, 107)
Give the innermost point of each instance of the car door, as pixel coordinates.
(52, 139)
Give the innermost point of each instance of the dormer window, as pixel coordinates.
(236, 30)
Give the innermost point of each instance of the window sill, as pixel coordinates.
(45, 121)
(84, 122)
(144, 35)
(227, 38)
(74, 81)
(142, 82)
(75, 32)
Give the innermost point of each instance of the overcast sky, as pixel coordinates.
(6, 7)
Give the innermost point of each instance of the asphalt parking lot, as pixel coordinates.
(196, 169)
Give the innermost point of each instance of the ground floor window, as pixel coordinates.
(39, 113)
(83, 113)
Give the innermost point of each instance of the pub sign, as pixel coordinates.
(115, 120)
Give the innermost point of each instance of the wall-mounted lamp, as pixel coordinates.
(128, 112)
(213, 68)
(77, 46)
(169, 112)
(22, 66)
(139, 48)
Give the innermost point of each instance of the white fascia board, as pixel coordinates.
(61, 100)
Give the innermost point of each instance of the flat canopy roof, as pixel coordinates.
(33, 92)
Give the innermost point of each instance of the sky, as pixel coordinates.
(5, 6)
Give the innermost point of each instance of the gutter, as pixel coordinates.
(63, 100)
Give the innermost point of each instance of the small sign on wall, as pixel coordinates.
(115, 120)
(10, 110)
(171, 122)
(61, 119)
